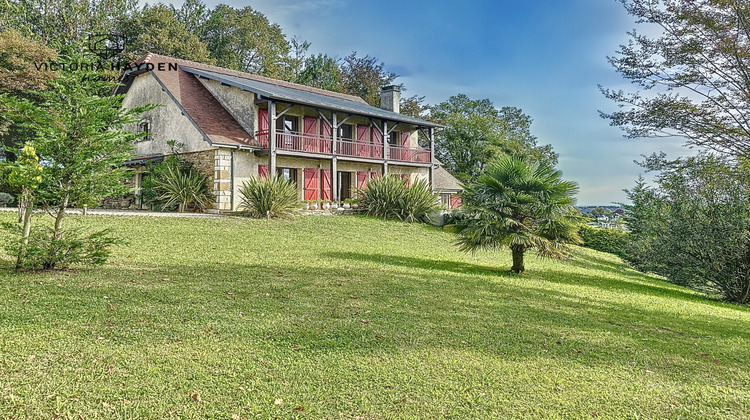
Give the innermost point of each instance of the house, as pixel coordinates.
(236, 125)
(448, 186)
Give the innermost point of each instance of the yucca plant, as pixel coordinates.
(271, 197)
(182, 185)
(390, 197)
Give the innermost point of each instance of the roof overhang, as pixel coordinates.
(296, 96)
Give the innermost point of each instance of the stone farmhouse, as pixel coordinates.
(236, 125)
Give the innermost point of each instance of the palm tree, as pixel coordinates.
(520, 205)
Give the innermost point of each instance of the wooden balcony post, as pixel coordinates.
(334, 163)
(271, 138)
(432, 156)
(385, 148)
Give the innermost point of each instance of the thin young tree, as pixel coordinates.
(521, 205)
(78, 134)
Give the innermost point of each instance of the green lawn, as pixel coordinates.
(355, 317)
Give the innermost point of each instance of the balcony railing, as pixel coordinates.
(409, 154)
(300, 142)
(349, 147)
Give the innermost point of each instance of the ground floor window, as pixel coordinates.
(287, 174)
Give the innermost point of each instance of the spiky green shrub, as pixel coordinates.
(178, 183)
(272, 197)
(390, 197)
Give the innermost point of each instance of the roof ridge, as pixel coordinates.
(149, 58)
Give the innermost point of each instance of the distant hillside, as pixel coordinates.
(587, 209)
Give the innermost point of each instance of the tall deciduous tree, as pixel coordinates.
(244, 40)
(692, 79)
(693, 226)
(520, 205)
(157, 29)
(321, 71)
(364, 76)
(476, 133)
(19, 58)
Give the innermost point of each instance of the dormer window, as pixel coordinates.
(145, 127)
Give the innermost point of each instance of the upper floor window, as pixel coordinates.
(394, 139)
(287, 124)
(346, 132)
(145, 128)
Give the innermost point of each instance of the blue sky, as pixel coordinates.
(544, 56)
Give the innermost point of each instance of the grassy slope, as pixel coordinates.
(356, 317)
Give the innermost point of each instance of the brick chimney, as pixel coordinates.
(390, 96)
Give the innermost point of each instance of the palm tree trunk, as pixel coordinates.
(517, 259)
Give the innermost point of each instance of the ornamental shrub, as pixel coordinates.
(614, 241)
(390, 197)
(271, 197)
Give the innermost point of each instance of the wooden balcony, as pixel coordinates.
(308, 143)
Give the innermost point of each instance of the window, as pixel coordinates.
(287, 124)
(288, 174)
(394, 139)
(145, 127)
(345, 132)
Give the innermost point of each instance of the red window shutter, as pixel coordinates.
(263, 171)
(362, 180)
(405, 153)
(363, 137)
(311, 131)
(407, 178)
(311, 183)
(262, 120)
(374, 175)
(325, 184)
(377, 143)
(326, 134)
(455, 201)
(263, 127)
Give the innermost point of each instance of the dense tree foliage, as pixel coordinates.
(477, 133)
(157, 29)
(321, 71)
(244, 40)
(19, 76)
(692, 77)
(364, 76)
(519, 204)
(693, 226)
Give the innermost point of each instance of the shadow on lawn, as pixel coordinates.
(322, 309)
(423, 263)
(634, 284)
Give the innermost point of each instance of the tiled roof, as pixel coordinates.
(199, 104)
(306, 97)
(444, 181)
(156, 58)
